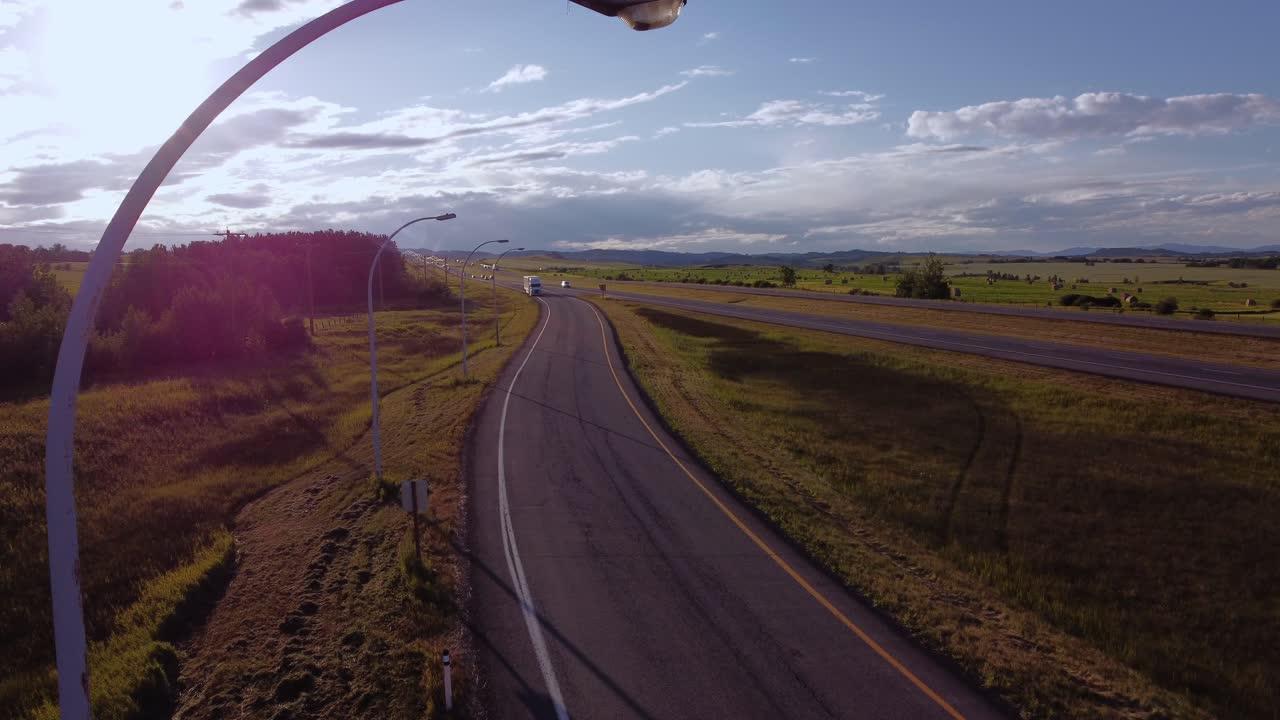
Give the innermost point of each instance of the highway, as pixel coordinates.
(1233, 380)
(1099, 316)
(1240, 381)
(612, 577)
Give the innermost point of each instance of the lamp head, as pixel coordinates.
(639, 14)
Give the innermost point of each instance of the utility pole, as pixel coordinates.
(311, 295)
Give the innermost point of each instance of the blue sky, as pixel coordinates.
(747, 126)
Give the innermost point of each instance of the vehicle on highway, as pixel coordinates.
(564, 283)
(532, 285)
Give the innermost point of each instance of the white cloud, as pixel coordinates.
(518, 75)
(668, 130)
(706, 71)
(1100, 114)
(865, 97)
(709, 37)
(802, 60)
(777, 113)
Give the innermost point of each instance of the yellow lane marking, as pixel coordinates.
(760, 543)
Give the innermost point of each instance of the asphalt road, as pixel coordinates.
(1241, 381)
(1100, 316)
(613, 578)
(1233, 380)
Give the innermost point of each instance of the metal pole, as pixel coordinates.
(373, 372)
(60, 507)
(462, 290)
(311, 295)
(413, 497)
(493, 278)
(375, 427)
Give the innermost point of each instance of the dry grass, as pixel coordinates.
(163, 466)
(1084, 547)
(1240, 350)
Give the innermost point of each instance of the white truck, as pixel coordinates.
(532, 285)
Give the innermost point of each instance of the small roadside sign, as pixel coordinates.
(601, 288)
(410, 488)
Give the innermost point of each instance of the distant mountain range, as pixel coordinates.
(1165, 250)
(663, 258)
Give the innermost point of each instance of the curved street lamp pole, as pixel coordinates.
(493, 280)
(373, 346)
(60, 507)
(60, 504)
(462, 290)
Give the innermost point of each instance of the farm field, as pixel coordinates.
(1151, 281)
(1082, 546)
(163, 467)
(70, 274)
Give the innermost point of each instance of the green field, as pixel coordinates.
(1084, 547)
(1150, 281)
(70, 274)
(163, 466)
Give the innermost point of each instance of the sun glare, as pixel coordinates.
(118, 85)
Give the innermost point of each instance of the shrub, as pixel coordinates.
(1204, 314)
(1275, 304)
(1167, 306)
(926, 281)
(1069, 299)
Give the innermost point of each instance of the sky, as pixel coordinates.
(747, 126)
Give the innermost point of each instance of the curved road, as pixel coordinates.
(614, 578)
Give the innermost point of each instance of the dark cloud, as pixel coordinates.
(361, 141)
(257, 197)
(248, 8)
(55, 183)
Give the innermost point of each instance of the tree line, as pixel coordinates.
(209, 301)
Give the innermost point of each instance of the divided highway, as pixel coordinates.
(1241, 381)
(613, 578)
(1234, 380)
(1101, 316)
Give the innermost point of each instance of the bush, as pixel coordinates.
(1204, 314)
(1084, 301)
(1167, 306)
(1275, 304)
(927, 281)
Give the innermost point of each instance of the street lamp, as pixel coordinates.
(70, 648)
(493, 280)
(639, 14)
(373, 344)
(462, 291)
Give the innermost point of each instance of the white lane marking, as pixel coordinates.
(514, 566)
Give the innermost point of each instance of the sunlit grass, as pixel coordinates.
(163, 466)
(1085, 547)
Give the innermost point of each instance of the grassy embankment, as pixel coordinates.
(1151, 281)
(1083, 547)
(163, 466)
(1230, 349)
